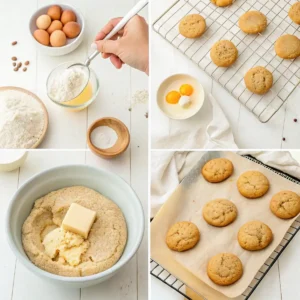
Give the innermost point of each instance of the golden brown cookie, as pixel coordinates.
(294, 13)
(285, 205)
(222, 3)
(287, 46)
(224, 269)
(253, 184)
(219, 212)
(253, 22)
(217, 170)
(258, 80)
(224, 53)
(255, 235)
(182, 236)
(192, 26)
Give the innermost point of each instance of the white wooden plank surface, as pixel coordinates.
(17, 283)
(248, 131)
(67, 130)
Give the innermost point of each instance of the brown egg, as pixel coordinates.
(71, 29)
(42, 36)
(43, 22)
(55, 25)
(54, 12)
(68, 16)
(58, 38)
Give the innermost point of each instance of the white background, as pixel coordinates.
(67, 130)
(17, 283)
(247, 130)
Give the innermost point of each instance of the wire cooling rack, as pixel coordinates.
(163, 275)
(254, 50)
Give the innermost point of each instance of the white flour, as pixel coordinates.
(104, 137)
(22, 120)
(67, 85)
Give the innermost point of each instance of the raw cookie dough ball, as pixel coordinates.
(224, 269)
(255, 235)
(285, 205)
(253, 22)
(217, 170)
(222, 3)
(219, 212)
(258, 80)
(224, 53)
(182, 236)
(253, 184)
(287, 46)
(192, 26)
(294, 13)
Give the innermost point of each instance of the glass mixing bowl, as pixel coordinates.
(87, 96)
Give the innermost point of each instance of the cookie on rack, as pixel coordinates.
(224, 53)
(192, 26)
(285, 205)
(253, 184)
(224, 269)
(287, 46)
(219, 212)
(222, 3)
(255, 235)
(253, 22)
(258, 80)
(294, 13)
(182, 236)
(217, 170)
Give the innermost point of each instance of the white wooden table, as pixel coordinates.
(17, 283)
(281, 282)
(247, 130)
(67, 130)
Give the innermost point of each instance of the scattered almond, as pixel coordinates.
(14, 58)
(14, 43)
(16, 69)
(19, 65)
(26, 63)
(24, 69)
(14, 64)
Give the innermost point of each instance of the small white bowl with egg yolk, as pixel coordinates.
(180, 87)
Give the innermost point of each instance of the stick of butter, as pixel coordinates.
(79, 219)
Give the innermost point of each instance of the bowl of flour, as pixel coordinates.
(23, 119)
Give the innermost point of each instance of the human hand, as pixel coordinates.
(130, 45)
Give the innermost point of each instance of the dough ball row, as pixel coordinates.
(224, 53)
(226, 268)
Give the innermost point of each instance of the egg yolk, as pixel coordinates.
(173, 97)
(186, 90)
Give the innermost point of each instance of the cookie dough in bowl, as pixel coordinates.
(74, 256)
(47, 198)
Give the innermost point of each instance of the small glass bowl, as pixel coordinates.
(93, 80)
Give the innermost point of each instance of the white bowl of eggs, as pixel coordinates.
(57, 29)
(180, 96)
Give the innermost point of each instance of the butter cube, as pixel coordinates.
(79, 219)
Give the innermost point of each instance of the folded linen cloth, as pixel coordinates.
(168, 168)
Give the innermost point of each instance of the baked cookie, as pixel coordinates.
(219, 212)
(253, 184)
(223, 53)
(192, 26)
(287, 46)
(258, 80)
(224, 269)
(217, 170)
(222, 3)
(294, 13)
(182, 236)
(253, 22)
(255, 235)
(285, 205)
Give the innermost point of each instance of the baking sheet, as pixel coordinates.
(186, 204)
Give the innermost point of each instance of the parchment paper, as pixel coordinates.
(186, 204)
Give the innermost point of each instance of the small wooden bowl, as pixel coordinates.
(121, 144)
(39, 141)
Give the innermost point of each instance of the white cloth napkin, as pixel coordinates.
(169, 168)
(198, 135)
